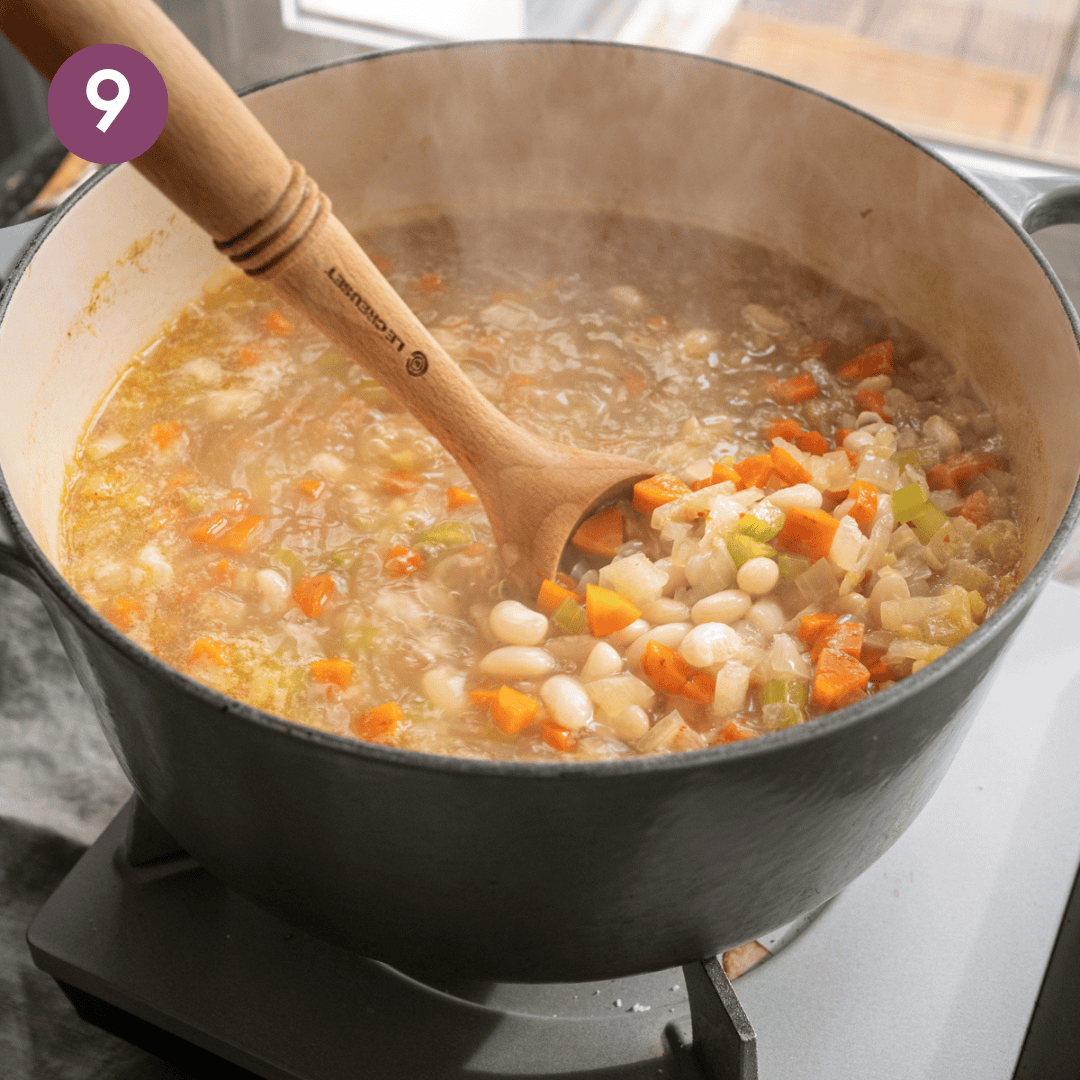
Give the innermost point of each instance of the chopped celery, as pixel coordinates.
(406, 460)
(743, 548)
(782, 714)
(447, 534)
(332, 361)
(791, 566)
(371, 392)
(570, 617)
(776, 691)
(193, 503)
(907, 457)
(927, 520)
(364, 639)
(295, 565)
(763, 524)
(907, 502)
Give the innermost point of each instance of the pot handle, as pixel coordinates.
(1037, 196)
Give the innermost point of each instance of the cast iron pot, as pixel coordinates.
(527, 871)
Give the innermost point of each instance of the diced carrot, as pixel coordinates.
(852, 457)
(607, 611)
(658, 322)
(429, 283)
(235, 501)
(783, 428)
(313, 592)
(839, 680)
(940, 479)
(277, 324)
(160, 518)
(456, 497)
(248, 356)
(873, 360)
(841, 435)
(562, 739)
(181, 478)
(221, 572)
(635, 384)
(209, 529)
(968, 464)
(551, 595)
(865, 507)
(163, 435)
(379, 725)
(512, 710)
(335, 671)
(846, 637)
(722, 472)
(124, 610)
(787, 468)
(207, 649)
(798, 388)
(601, 534)
(239, 537)
(656, 491)
(312, 488)
(516, 381)
(666, 667)
(815, 350)
(813, 442)
(701, 687)
(733, 732)
(807, 532)
(401, 561)
(398, 482)
(675, 675)
(753, 471)
(812, 626)
(976, 508)
(483, 698)
(872, 401)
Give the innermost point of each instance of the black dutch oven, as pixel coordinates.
(526, 871)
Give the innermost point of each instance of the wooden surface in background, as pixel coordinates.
(1003, 74)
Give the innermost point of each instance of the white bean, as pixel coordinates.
(603, 661)
(621, 638)
(665, 610)
(766, 616)
(758, 576)
(614, 694)
(631, 724)
(273, 588)
(160, 568)
(567, 701)
(710, 643)
(518, 662)
(728, 606)
(891, 585)
(670, 634)
(445, 688)
(803, 496)
(516, 624)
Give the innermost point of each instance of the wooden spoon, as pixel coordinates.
(219, 165)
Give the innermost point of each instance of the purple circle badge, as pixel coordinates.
(108, 103)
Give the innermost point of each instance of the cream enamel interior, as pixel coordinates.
(493, 128)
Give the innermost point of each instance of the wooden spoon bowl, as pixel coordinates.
(218, 164)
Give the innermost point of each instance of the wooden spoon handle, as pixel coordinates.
(217, 163)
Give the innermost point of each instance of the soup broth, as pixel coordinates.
(835, 509)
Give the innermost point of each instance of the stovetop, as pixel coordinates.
(927, 966)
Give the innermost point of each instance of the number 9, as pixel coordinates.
(110, 108)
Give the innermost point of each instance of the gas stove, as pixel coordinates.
(930, 965)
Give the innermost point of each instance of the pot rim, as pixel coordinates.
(1010, 612)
